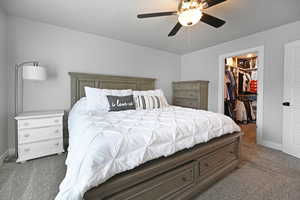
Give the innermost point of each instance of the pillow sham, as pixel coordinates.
(97, 100)
(154, 93)
(147, 102)
(119, 103)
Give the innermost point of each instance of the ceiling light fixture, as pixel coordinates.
(189, 13)
(190, 17)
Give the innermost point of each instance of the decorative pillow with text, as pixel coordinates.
(120, 103)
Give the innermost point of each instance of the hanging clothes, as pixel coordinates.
(248, 81)
(230, 84)
(229, 109)
(230, 76)
(244, 83)
(249, 111)
(241, 82)
(226, 93)
(252, 113)
(254, 108)
(253, 86)
(241, 113)
(254, 75)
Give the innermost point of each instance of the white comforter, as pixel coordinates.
(106, 144)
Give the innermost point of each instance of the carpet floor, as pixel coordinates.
(264, 174)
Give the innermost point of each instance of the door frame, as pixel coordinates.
(260, 98)
(286, 147)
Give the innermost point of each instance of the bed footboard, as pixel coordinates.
(180, 176)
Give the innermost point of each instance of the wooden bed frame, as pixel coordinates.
(177, 177)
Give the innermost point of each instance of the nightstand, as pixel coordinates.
(39, 134)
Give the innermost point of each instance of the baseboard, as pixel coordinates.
(272, 145)
(2, 157)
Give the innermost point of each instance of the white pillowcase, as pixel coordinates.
(157, 92)
(97, 100)
(80, 106)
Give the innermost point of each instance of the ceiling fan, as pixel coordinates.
(190, 12)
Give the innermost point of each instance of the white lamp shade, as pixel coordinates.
(36, 73)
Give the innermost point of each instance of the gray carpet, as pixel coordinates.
(265, 174)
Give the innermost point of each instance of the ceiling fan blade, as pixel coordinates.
(211, 3)
(175, 30)
(211, 20)
(160, 14)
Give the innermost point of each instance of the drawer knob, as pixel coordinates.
(26, 135)
(56, 144)
(56, 131)
(206, 164)
(26, 124)
(56, 121)
(27, 150)
(184, 179)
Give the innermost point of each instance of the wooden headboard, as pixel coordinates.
(80, 80)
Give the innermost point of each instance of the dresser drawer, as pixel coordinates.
(166, 184)
(39, 149)
(225, 155)
(194, 94)
(38, 134)
(39, 122)
(189, 103)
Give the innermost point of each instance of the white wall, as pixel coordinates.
(3, 85)
(62, 50)
(204, 64)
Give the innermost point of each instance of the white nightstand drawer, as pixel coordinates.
(40, 122)
(38, 134)
(39, 149)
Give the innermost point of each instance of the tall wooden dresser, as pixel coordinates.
(191, 94)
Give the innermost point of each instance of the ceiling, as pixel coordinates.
(117, 19)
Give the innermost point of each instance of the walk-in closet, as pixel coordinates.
(240, 92)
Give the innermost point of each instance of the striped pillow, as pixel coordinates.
(149, 102)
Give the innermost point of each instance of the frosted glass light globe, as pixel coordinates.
(190, 17)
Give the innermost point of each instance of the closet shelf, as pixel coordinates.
(253, 69)
(240, 68)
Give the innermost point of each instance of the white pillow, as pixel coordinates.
(97, 100)
(80, 106)
(157, 92)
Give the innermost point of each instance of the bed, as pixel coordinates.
(163, 168)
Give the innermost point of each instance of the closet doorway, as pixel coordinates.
(241, 91)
